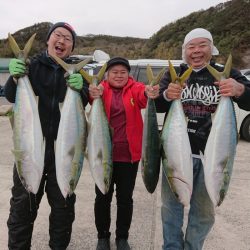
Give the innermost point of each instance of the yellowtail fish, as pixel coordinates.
(99, 144)
(151, 156)
(71, 136)
(177, 156)
(28, 138)
(221, 144)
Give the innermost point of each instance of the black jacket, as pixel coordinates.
(200, 99)
(48, 82)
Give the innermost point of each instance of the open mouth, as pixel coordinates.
(197, 59)
(59, 49)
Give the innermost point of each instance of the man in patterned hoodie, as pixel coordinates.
(200, 97)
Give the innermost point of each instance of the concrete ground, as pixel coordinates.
(231, 230)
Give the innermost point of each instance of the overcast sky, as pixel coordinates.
(136, 18)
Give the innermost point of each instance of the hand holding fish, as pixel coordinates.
(230, 87)
(75, 81)
(95, 91)
(152, 91)
(173, 91)
(17, 68)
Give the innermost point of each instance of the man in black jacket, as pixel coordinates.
(48, 82)
(199, 98)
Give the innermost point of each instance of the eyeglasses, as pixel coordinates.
(59, 36)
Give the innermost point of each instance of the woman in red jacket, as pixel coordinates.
(123, 99)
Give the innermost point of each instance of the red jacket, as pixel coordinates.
(134, 100)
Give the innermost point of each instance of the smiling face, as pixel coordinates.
(117, 76)
(60, 43)
(198, 52)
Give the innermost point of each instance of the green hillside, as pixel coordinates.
(125, 46)
(229, 24)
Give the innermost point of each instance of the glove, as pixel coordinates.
(17, 68)
(75, 81)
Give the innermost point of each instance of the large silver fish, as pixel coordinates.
(177, 155)
(99, 144)
(27, 132)
(71, 136)
(221, 144)
(151, 156)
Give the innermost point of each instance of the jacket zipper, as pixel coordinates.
(52, 107)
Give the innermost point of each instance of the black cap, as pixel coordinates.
(66, 26)
(116, 61)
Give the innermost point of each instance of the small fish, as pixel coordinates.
(221, 145)
(71, 137)
(99, 144)
(151, 156)
(177, 156)
(29, 145)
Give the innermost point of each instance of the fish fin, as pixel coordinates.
(67, 67)
(81, 64)
(21, 54)
(19, 154)
(71, 151)
(86, 76)
(185, 75)
(150, 75)
(180, 79)
(101, 73)
(95, 79)
(216, 74)
(10, 114)
(74, 156)
(228, 66)
(154, 80)
(13, 45)
(172, 72)
(159, 76)
(28, 46)
(71, 68)
(99, 155)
